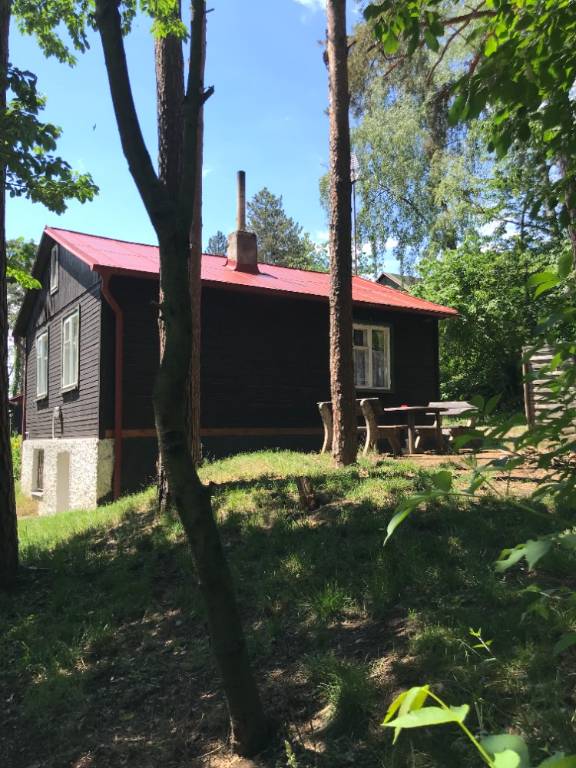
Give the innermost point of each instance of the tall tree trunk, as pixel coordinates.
(171, 217)
(195, 273)
(344, 442)
(8, 522)
(169, 65)
(570, 202)
(18, 370)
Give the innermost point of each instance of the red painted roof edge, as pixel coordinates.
(59, 234)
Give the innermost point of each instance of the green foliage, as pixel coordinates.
(487, 282)
(347, 689)
(280, 239)
(16, 448)
(418, 180)
(217, 244)
(32, 170)
(500, 751)
(405, 615)
(520, 71)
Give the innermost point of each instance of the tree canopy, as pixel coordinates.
(280, 239)
(217, 244)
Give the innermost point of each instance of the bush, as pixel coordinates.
(16, 446)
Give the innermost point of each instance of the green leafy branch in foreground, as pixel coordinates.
(500, 751)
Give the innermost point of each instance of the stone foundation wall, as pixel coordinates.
(90, 473)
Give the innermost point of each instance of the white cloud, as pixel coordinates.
(321, 236)
(206, 171)
(313, 5)
(391, 243)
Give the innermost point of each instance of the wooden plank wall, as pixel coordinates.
(77, 287)
(538, 394)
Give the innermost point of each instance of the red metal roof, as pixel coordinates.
(103, 253)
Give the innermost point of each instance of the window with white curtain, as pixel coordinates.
(372, 357)
(42, 365)
(70, 350)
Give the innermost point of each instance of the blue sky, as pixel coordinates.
(267, 116)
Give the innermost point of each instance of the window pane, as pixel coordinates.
(378, 340)
(361, 367)
(360, 337)
(42, 365)
(378, 369)
(70, 351)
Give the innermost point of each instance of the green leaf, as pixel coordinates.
(505, 744)
(431, 40)
(491, 45)
(565, 265)
(390, 42)
(559, 760)
(22, 277)
(542, 277)
(506, 759)
(398, 518)
(532, 551)
(442, 480)
(408, 701)
(491, 404)
(430, 716)
(457, 109)
(566, 641)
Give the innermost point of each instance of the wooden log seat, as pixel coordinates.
(394, 434)
(325, 409)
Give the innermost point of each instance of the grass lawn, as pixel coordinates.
(104, 659)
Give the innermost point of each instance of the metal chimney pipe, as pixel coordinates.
(241, 202)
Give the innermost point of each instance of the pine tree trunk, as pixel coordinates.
(344, 442)
(195, 276)
(8, 522)
(169, 65)
(18, 370)
(250, 728)
(171, 217)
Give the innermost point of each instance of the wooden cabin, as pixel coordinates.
(92, 351)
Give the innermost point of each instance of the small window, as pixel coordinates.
(38, 467)
(372, 357)
(70, 350)
(42, 365)
(54, 269)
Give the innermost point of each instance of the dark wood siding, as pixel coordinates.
(77, 287)
(264, 358)
(139, 302)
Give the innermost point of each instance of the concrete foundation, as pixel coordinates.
(76, 472)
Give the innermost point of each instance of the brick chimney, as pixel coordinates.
(242, 245)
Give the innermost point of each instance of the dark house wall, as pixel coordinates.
(77, 286)
(265, 365)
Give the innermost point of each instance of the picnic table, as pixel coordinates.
(411, 412)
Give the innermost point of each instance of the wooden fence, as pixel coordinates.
(539, 398)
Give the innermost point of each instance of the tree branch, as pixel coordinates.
(151, 190)
(194, 100)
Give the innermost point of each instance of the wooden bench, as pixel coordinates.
(370, 409)
(325, 409)
(451, 409)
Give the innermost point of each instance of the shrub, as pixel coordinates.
(16, 446)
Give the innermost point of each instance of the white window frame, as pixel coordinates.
(72, 383)
(54, 268)
(388, 333)
(41, 339)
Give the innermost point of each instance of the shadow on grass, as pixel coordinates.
(106, 660)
